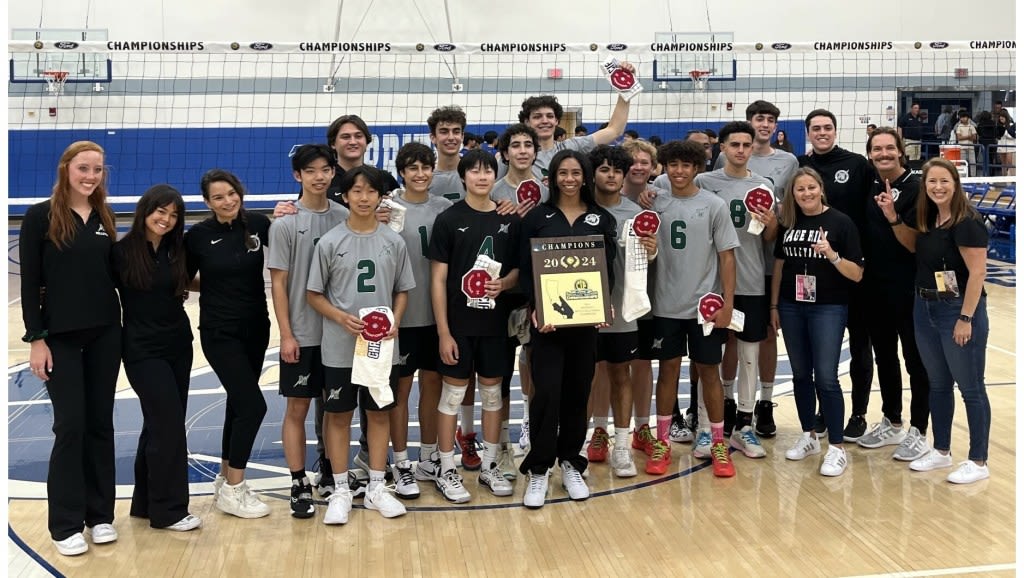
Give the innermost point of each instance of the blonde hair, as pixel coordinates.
(959, 208)
(62, 221)
(639, 145)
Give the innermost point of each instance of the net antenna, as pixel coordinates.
(55, 80)
(700, 78)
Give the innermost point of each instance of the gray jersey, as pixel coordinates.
(694, 230)
(583, 144)
(750, 269)
(624, 210)
(293, 239)
(419, 224)
(504, 190)
(356, 270)
(447, 184)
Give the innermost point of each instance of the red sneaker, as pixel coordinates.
(467, 445)
(661, 457)
(597, 450)
(721, 463)
(643, 439)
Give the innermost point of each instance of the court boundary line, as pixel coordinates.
(944, 571)
(31, 553)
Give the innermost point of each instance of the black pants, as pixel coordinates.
(161, 461)
(562, 367)
(236, 355)
(892, 325)
(80, 481)
(862, 366)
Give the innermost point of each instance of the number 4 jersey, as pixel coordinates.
(356, 270)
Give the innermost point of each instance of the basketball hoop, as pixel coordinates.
(700, 79)
(55, 80)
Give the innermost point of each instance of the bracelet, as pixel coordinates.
(837, 259)
(30, 337)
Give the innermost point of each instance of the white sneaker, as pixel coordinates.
(73, 545)
(622, 462)
(702, 447)
(572, 481)
(746, 441)
(883, 434)
(218, 481)
(495, 481)
(507, 462)
(241, 501)
(427, 470)
(914, 446)
(834, 463)
(968, 473)
(933, 460)
(524, 434)
(536, 491)
(451, 487)
(679, 433)
(185, 524)
(380, 499)
(405, 481)
(339, 504)
(102, 533)
(807, 444)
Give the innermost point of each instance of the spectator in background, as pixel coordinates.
(630, 135)
(654, 140)
(713, 137)
(870, 129)
(966, 136)
(470, 142)
(997, 108)
(782, 142)
(910, 128)
(1006, 129)
(987, 135)
(560, 134)
(944, 124)
(490, 143)
(580, 130)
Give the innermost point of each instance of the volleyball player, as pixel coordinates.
(617, 344)
(359, 263)
(447, 126)
(699, 241)
(292, 241)
(417, 341)
(731, 184)
(349, 136)
(471, 338)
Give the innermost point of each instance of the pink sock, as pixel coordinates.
(664, 424)
(717, 431)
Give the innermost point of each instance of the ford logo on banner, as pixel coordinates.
(261, 46)
(617, 47)
(444, 47)
(781, 46)
(65, 45)
(939, 45)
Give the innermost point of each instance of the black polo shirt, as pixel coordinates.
(847, 177)
(912, 126)
(889, 266)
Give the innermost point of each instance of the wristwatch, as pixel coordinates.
(898, 221)
(965, 318)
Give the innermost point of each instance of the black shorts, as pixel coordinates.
(617, 347)
(483, 355)
(645, 339)
(341, 395)
(417, 349)
(685, 337)
(755, 321)
(303, 379)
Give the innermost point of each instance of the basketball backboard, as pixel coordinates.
(80, 68)
(677, 54)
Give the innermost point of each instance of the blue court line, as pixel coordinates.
(32, 553)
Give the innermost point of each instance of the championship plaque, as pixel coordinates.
(570, 281)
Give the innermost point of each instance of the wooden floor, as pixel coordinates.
(774, 518)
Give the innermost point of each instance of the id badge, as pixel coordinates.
(945, 282)
(806, 289)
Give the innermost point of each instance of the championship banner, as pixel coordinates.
(570, 281)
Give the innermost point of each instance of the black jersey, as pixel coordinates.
(939, 250)
(232, 289)
(461, 233)
(155, 322)
(847, 177)
(796, 246)
(889, 266)
(70, 288)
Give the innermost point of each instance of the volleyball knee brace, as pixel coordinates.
(490, 397)
(451, 398)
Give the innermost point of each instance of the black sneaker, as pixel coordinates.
(819, 425)
(302, 499)
(743, 419)
(691, 420)
(764, 421)
(730, 416)
(324, 480)
(855, 428)
(357, 482)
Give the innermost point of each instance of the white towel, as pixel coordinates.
(373, 357)
(635, 301)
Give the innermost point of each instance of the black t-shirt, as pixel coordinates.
(847, 177)
(460, 234)
(78, 279)
(334, 189)
(232, 289)
(548, 220)
(911, 126)
(795, 246)
(155, 323)
(938, 250)
(888, 265)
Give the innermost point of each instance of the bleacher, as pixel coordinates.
(997, 203)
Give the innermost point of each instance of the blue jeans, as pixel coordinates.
(814, 336)
(947, 362)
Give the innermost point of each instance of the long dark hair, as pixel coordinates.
(222, 176)
(586, 191)
(138, 270)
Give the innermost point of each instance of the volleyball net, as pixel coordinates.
(166, 112)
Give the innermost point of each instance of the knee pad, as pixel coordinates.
(490, 397)
(451, 398)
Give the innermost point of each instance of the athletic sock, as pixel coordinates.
(490, 454)
(376, 479)
(401, 456)
(664, 425)
(447, 461)
(729, 388)
(717, 431)
(601, 422)
(427, 450)
(767, 390)
(503, 436)
(341, 480)
(622, 437)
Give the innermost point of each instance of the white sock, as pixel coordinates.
(447, 461)
(503, 437)
(402, 456)
(747, 375)
(467, 419)
(340, 480)
(490, 454)
(427, 451)
(767, 390)
(729, 389)
(622, 437)
(376, 479)
(601, 422)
